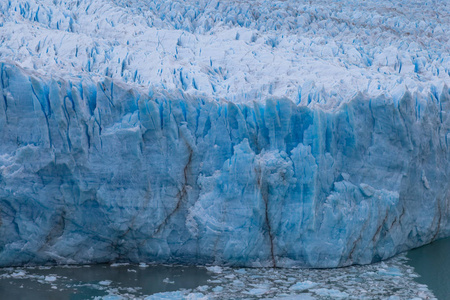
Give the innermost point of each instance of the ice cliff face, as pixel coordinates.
(311, 159)
(98, 172)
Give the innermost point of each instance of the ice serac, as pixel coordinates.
(95, 172)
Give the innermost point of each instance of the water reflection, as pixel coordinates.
(432, 262)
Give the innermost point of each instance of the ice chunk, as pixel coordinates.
(214, 269)
(301, 286)
(50, 278)
(167, 280)
(256, 291)
(334, 294)
(217, 289)
(166, 295)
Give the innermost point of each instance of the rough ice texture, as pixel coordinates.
(277, 134)
(98, 172)
(317, 53)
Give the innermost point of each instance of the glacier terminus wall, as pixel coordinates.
(264, 133)
(98, 173)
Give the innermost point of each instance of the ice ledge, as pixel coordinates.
(97, 172)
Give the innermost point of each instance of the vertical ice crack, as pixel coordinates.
(381, 226)
(110, 98)
(269, 228)
(264, 194)
(355, 243)
(56, 231)
(439, 222)
(67, 116)
(45, 115)
(5, 101)
(116, 243)
(3, 87)
(181, 194)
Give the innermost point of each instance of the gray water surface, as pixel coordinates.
(432, 263)
(87, 282)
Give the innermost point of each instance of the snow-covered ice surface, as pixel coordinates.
(308, 51)
(265, 133)
(392, 279)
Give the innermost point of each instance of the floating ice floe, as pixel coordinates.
(355, 282)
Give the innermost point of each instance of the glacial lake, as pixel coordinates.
(432, 263)
(422, 273)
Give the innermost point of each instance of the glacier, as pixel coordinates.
(169, 133)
